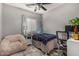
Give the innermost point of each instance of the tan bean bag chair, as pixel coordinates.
(12, 44)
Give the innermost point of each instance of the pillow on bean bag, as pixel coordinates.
(12, 44)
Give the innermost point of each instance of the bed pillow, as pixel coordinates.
(12, 44)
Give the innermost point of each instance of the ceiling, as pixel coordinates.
(23, 6)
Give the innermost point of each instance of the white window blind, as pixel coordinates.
(30, 25)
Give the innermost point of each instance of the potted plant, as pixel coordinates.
(75, 22)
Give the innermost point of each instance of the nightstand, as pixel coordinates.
(29, 38)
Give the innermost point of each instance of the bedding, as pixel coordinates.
(44, 37)
(45, 48)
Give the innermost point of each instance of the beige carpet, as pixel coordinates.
(33, 51)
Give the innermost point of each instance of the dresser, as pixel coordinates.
(72, 47)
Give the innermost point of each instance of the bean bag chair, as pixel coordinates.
(12, 44)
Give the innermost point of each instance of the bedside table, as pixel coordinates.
(29, 38)
(29, 41)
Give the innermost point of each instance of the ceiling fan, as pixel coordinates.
(39, 6)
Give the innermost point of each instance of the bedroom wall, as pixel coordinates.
(57, 18)
(0, 21)
(12, 16)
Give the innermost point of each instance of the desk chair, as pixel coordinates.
(61, 42)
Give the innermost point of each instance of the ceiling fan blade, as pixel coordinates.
(43, 7)
(31, 4)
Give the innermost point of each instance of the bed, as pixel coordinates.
(45, 42)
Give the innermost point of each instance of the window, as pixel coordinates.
(29, 25)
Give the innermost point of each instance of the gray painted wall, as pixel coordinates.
(56, 19)
(12, 16)
(0, 21)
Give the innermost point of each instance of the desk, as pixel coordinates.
(72, 47)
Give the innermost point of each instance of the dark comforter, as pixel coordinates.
(44, 37)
